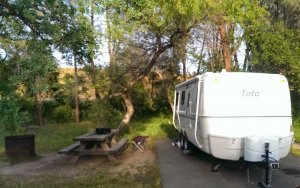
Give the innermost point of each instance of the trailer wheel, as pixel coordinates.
(181, 140)
(186, 144)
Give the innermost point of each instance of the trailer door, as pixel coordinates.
(192, 103)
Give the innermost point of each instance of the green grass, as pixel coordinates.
(296, 128)
(297, 135)
(154, 127)
(53, 137)
(295, 151)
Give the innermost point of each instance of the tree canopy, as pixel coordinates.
(151, 45)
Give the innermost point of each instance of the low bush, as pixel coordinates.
(12, 118)
(103, 114)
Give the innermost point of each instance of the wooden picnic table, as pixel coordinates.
(96, 144)
(93, 137)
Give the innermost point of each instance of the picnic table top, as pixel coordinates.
(92, 136)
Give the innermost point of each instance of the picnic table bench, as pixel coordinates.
(96, 144)
(70, 148)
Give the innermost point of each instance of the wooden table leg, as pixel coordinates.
(104, 146)
(111, 157)
(113, 141)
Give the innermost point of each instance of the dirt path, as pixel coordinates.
(53, 164)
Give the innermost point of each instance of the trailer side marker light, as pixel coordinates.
(283, 81)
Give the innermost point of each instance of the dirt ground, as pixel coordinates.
(61, 166)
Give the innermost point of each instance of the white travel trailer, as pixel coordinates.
(231, 115)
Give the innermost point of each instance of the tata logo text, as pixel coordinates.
(247, 93)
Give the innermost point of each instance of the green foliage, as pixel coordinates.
(57, 136)
(53, 137)
(297, 131)
(37, 68)
(137, 29)
(235, 11)
(156, 127)
(64, 93)
(62, 114)
(296, 128)
(295, 98)
(276, 49)
(143, 104)
(103, 114)
(41, 19)
(12, 118)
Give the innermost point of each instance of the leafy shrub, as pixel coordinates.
(56, 112)
(12, 118)
(62, 114)
(103, 114)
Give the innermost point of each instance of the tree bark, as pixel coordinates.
(39, 102)
(247, 57)
(91, 57)
(170, 100)
(160, 49)
(109, 39)
(201, 56)
(184, 67)
(236, 61)
(225, 44)
(153, 60)
(129, 110)
(76, 92)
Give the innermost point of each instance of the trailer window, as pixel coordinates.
(176, 98)
(182, 97)
(188, 100)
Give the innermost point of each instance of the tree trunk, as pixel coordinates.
(109, 39)
(184, 68)
(39, 104)
(129, 110)
(170, 100)
(225, 44)
(91, 57)
(236, 61)
(201, 56)
(76, 92)
(40, 109)
(247, 58)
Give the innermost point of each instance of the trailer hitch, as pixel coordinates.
(268, 166)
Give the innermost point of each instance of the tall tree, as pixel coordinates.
(228, 16)
(36, 74)
(274, 47)
(151, 28)
(45, 20)
(90, 10)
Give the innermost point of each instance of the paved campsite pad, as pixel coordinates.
(179, 170)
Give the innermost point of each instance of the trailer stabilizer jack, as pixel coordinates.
(268, 166)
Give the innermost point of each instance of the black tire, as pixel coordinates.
(186, 143)
(181, 140)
